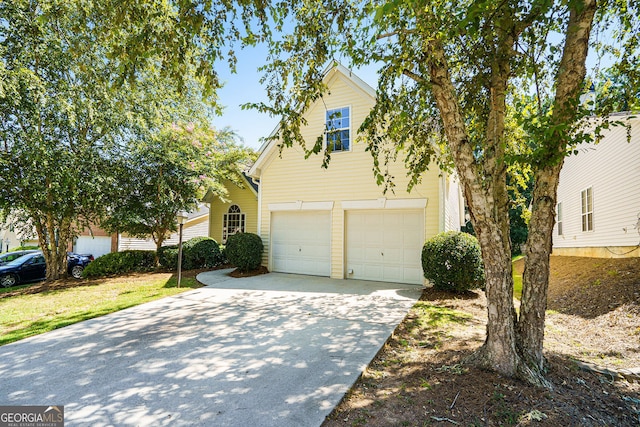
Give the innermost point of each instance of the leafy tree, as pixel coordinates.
(73, 94)
(169, 171)
(57, 114)
(456, 74)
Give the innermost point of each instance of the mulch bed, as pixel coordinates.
(420, 378)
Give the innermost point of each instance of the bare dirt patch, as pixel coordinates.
(420, 379)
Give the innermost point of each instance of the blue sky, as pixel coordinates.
(244, 87)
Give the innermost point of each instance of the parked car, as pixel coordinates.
(10, 256)
(31, 268)
(77, 262)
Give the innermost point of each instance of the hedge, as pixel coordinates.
(115, 263)
(198, 252)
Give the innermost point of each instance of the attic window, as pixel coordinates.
(338, 126)
(233, 222)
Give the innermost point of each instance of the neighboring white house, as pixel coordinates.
(12, 236)
(598, 210)
(337, 222)
(197, 225)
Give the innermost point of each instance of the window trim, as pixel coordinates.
(586, 214)
(241, 219)
(559, 219)
(348, 128)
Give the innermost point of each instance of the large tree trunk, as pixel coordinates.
(535, 280)
(484, 184)
(536, 273)
(53, 238)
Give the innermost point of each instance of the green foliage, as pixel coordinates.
(201, 252)
(116, 263)
(23, 248)
(69, 116)
(244, 250)
(168, 256)
(169, 171)
(452, 261)
(198, 252)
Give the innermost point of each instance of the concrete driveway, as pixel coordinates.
(272, 350)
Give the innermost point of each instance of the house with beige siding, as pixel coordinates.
(338, 222)
(236, 212)
(598, 210)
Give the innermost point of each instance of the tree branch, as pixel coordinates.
(414, 76)
(395, 33)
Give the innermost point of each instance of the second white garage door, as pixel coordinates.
(301, 242)
(385, 245)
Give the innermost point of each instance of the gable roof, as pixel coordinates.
(253, 186)
(250, 181)
(334, 70)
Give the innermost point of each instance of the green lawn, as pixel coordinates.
(517, 280)
(22, 316)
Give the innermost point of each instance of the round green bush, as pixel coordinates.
(452, 261)
(201, 252)
(115, 263)
(244, 250)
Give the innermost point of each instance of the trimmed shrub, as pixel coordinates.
(115, 263)
(244, 250)
(168, 256)
(200, 252)
(452, 261)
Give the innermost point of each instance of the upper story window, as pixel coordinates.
(559, 218)
(338, 129)
(586, 197)
(233, 222)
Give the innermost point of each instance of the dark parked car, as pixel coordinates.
(10, 256)
(31, 268)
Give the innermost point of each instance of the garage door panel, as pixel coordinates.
(385, 245)
(301, 242)
(372, 255)
(96, 246)
(394, 256)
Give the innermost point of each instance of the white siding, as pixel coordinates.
(612, 169)
(453, 206)
(198, 228)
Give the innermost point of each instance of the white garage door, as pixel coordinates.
(95, 246)
(301, 242)
(385, 245)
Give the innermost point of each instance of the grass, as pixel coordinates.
(26, 315)
(517, 279)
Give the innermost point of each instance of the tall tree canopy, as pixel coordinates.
(492, 85)
(78, 82)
